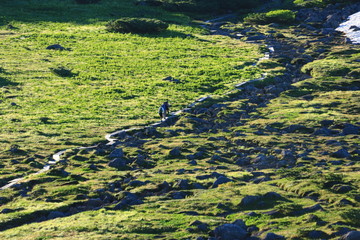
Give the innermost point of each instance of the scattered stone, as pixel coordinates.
(129, 200)
(178, 195)
(221, 180)
(94, 202)
(342, 231)
(252, 229)
(272, 195)
(203, 177)
(136, 183)
(341, 188)
(171, 79)
(117, 153)
(240, 223)
(230, 232)
(191, 213)
(249, 201)
(327, 123)
(7, 210)
(353, 235)
(182, 184)
(287, 155)
(345, 202)
(323, 132)
(350, 129)
(342, 153)
(202, 227)
(55, 47)
(55, 214)
(192, 162)
(273, 236)
(316, 234)
(176, 152)
(261, 179)
(118, 163)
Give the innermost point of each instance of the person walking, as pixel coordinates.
(164, 111)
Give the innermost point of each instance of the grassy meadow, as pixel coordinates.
(115, 79)
(291, 146)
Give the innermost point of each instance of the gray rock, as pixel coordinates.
(55, 47)
(287, 155)
(230, 232)
(242, 162)
(252, 229)
(182, 184)
(118, 163)
(327, 123)
(217, 175)
(192, 162)
(323, 132)
(342, 153)
(7, 210)
(355, 28)
(350, 129)
(198, 186)
(178, 195)
(342, 188)
(203, 177)
(316, 234)
(261, 179)
(272, 195)
(221, 180)
(240, 223)
(117, 153)
(94, 202)
(176, 152)
(273, 236)
(353, 235)
(136, 183)
(55, 214)
(256, 37)
(249, 201)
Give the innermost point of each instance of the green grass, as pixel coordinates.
(116, 79)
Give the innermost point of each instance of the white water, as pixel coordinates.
(345, 27)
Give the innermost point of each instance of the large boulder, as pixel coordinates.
(230, 232)
(249, 201)
(118, 163)
(353, 235)
(273, 236)
(221, 180)
(117, 153)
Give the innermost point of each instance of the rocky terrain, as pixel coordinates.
(276, 158)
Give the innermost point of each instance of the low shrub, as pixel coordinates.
(326, 68)
(276, 16)
(319, 3)
(309, 3)
(259, 18)
(136, 25)
(280, 16)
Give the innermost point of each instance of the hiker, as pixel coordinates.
(164, 110)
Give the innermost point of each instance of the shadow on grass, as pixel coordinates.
(4, 82)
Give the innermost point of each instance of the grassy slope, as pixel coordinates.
(117, 78)
(233, 137)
